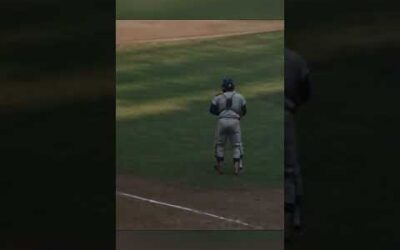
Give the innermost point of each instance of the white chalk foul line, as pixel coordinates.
(189, 210)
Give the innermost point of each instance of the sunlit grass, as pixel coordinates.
(166, 71)
(136, 111)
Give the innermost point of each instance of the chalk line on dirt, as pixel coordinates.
(200, 37)
(239, 222)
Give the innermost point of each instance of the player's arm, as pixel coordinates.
(244, 108)
(214, 109)
(304, 84)
(305, 89)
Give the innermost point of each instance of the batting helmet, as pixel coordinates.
(227, 84)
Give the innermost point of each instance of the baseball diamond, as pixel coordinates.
(165, 134)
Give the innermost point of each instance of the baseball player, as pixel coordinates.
(297, 92)
(230, 107)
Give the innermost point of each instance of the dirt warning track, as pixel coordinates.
(134, 31)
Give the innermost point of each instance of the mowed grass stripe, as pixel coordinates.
(126, 111)
(164, 130)
(202, 63)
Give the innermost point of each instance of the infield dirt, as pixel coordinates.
(129, 32)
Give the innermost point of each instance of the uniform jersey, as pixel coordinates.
(297, 86)
(236, 109)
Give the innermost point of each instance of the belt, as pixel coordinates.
(236, 118)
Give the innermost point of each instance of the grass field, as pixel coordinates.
(199, 9)
(164, 130)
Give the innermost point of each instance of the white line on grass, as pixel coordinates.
(189, 209)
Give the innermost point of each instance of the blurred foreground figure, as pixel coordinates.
(297, 92)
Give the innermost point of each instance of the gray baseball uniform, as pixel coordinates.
(230, 109)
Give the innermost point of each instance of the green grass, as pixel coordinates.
(164, 130)
(199, 9)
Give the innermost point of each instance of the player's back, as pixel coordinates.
(297, 86)
(230, 104)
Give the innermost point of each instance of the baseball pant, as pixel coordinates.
(293, 179)
(228, 129)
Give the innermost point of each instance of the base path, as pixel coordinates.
(150, 205)
(135, 31)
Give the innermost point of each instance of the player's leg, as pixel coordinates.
(241, 165)
(290, 198)
(235, 138)
(293, 183)
(220, 140)
(298, 213)
(293, 203)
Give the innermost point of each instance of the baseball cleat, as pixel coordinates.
(241, 167)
